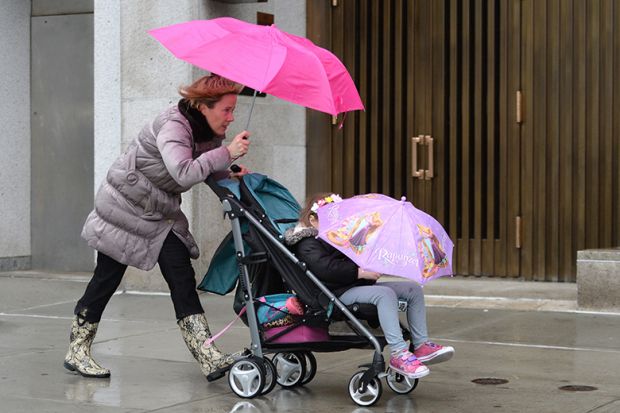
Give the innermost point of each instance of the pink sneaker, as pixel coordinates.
(407, 364)
(431, 353)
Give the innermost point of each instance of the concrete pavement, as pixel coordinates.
(530, 334)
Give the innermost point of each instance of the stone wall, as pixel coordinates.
(15, 137)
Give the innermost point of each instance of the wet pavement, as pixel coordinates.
(528, 334)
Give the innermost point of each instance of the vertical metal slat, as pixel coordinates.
(350, 134)
(387, 103)
(477, 118)
(553, 142)
(488, 246)
(567, 139)
(375, 96)
(337, 179)
(593, 67)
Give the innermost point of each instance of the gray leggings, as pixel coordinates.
(385, 297)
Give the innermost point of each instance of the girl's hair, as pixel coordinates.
(208, 90)
(306, 212)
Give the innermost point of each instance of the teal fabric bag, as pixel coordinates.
(221, 277)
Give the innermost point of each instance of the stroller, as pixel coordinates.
(254, 257)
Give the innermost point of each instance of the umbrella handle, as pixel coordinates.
(247, 125)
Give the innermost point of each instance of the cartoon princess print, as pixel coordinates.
(356, 231)
(431, 250)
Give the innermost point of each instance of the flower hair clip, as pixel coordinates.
(324, 201)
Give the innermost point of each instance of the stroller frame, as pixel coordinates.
(254, 357)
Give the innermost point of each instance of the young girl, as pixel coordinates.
(355, 285)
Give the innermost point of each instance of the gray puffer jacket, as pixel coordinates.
(140, 200)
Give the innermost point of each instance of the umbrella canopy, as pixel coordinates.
(388, 236)
(265, 59)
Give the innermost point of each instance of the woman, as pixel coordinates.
(354, 285)
(138, 221)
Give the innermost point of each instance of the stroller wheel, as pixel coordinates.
(247, 377)
(400, 383)
(290, 368)
(367, 396)
(270, 376)
(310, 367)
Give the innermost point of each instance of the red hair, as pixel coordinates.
(208, 90)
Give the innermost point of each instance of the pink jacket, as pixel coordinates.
(140, 200)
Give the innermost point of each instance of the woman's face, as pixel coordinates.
(221, 115)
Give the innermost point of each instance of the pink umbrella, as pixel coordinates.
(388, 236)
(265, 59)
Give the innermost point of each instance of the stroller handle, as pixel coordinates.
(221, 192)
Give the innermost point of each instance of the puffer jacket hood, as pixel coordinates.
(295, 234)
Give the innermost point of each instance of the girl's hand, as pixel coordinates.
(239, 145)
(368, 275)
(240, 173)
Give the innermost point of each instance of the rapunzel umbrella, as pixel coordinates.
(388, 236)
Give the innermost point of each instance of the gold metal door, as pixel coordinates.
(498, 117)
(435, 126)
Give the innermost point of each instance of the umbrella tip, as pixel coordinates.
(403, 198)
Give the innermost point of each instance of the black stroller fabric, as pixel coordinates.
(278, 274)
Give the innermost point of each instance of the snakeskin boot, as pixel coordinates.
(78, 357)
(195, 332)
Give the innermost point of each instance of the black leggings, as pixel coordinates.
(174, 263)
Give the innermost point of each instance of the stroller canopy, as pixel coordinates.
(264, 197)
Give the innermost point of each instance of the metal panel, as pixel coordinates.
(605, 121)
(399, 149)
(478, 114)
(437, 186)
(510, 203)
(452, 137)
(387, 99)
(62, 140)
(552, 162)
(318, 126)
(490, 209)
(615, 225)
(593, 106)
(463, 233)
(374, 100)
(579, 124)
(527, 130)
(361, 147)
(570, 196)
(61, 7)
(349, 133)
